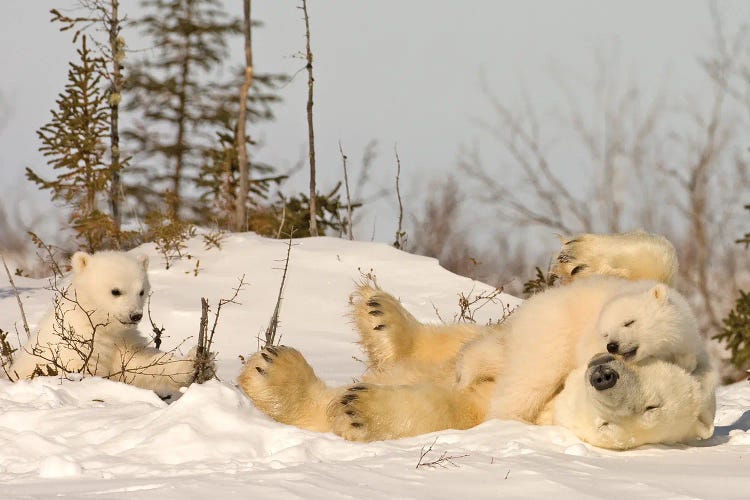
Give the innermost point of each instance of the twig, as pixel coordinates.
(400, 242)
(202, 329)
(273, 324)
(283, 219)
(157, 331)
(441, 461)
(18, 298)
(348, 197)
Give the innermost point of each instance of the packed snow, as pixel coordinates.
(103, 439)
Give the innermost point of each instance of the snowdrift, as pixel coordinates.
(105, 439)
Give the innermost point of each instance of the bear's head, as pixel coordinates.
(614, 404)
(114, 285)
(653, 322)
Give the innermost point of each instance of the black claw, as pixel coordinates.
(578, 269)
(376, 312)
(260, 370)
(373, 303)
(564, 258)
(266, 357)
(348, 399)
(358, 388)
(356, 425)
(380, 327)
(272, 350)
(350, 412)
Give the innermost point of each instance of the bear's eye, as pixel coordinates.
(116, 292)
(651, 407)
(141, 293)
(628, 323)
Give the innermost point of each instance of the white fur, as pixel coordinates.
(544, 365)
(652, 402)
(119, 351)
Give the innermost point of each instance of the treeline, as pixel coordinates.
(147, 145)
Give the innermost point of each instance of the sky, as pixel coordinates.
(406, 74)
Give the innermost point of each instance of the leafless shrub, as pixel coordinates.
(204, 358)
(659, 163)
(273, 323)
(18, 298)
(6, 354)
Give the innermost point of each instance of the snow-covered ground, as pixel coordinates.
(102, 439)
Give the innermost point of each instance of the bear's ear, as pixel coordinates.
(659, 292)
(143, 261)
(79, 261)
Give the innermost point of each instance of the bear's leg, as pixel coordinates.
(390, 334)
(635, 256)
(150, 368)
(284, 386)
(369, 412)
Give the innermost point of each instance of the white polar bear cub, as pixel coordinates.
(92, 329)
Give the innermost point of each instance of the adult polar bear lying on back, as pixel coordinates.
(93, 328)
(543, 365)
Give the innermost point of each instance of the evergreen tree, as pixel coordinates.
(105, 16)
(74, 143)
(181, 107)
(735, 331)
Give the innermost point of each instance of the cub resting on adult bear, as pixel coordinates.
(618, 362)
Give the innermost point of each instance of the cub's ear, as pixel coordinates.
(79, 261)
(659, 292)
(143, 261)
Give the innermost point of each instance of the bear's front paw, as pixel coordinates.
(276, 379)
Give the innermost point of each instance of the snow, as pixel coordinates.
(95, 437)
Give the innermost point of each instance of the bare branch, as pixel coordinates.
(18, 298)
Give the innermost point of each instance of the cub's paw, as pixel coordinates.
(276, 379)
(574, 259)
(636, 255)
(384, 325)
(354, 415)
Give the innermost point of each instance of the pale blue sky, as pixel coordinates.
(403, 72)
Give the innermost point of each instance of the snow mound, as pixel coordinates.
(98, 437)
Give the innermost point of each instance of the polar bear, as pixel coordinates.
(544, 365)
(93, 328)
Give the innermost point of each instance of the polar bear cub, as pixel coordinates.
(93, 328)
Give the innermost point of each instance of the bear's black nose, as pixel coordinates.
(603, 377)
(136, 317)
(613, 347)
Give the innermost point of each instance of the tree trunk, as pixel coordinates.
(311, 134)
(114, 107)
(240, 223)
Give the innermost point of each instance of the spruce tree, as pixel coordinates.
(735, 332)
(74, 143)
(105, 16)
(182, 109)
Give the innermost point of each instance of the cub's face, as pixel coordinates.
(113, 284)
(618, 405)
(650, 324)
